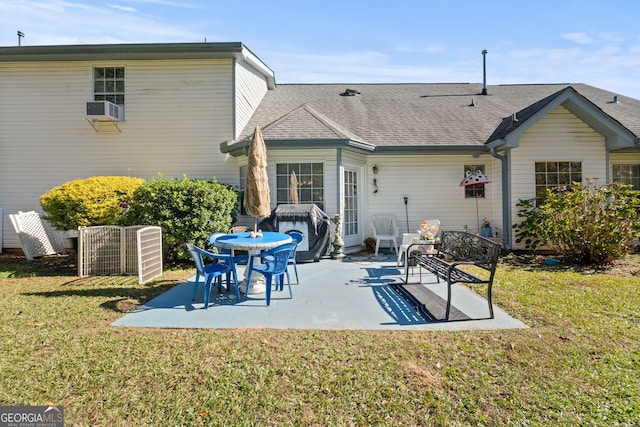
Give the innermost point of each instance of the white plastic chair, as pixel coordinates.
(407, 239)
(385, 229)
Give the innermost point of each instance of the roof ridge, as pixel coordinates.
(332, 126)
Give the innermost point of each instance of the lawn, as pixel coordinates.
(578, 364)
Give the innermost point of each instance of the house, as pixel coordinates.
(357, 150)
(175, 104)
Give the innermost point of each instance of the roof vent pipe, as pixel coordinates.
(351, 92)
(484, 72)
(20, 36)
(615, 99)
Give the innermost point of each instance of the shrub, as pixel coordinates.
(100, 200)
(187, 210)
(585, 224)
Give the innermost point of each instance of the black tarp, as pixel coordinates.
(318, 227)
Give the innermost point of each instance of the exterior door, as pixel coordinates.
(351, 223)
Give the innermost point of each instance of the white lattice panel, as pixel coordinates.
(36, 235)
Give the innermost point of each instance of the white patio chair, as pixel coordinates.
(407, 239)
(384, 229)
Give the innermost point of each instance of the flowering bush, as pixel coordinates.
(585, 224)
(427, 231)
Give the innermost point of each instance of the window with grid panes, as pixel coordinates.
(244, 170)
(556, 175)
(473, 191)
(627, 174)
(310, 182)
(108, 84)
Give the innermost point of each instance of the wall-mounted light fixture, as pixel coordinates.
(374, 168)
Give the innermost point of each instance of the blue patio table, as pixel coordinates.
(254, 245)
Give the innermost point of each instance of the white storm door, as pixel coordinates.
(351, 223)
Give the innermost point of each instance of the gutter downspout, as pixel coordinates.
(506, 197)
(340, 184)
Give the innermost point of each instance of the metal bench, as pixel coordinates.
(455, 250)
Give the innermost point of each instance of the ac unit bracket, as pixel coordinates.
(93, 122)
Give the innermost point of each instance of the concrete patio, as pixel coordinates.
(355, 293)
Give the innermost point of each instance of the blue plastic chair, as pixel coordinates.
(223, 265)
(297, 238)
(238, 259)
(274, 264)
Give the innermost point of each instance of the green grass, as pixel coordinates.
(578, 364)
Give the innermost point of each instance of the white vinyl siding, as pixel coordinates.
(432, 185)
(177, 114)
(558, 137)
(250, 88)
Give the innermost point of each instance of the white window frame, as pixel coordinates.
(626, 173)
(109, 84)
(556, 174)
(311, 181)
(474, 191)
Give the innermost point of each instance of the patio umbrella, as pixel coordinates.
(293, 188)
(476, 180)
(256, 189)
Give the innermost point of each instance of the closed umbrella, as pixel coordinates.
(293, 189)
(256, 190)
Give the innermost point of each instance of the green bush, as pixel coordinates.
(587, 225)
(187, 210)
(100, 200)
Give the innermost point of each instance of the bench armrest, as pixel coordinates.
(434, 244)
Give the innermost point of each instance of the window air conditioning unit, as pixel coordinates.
(104, 110)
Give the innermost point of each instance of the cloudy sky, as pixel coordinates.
(374, 41)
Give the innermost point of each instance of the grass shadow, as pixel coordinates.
(122, 293)
(14, 266)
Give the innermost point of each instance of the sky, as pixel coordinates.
(375, 41)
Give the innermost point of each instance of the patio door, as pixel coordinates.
(351, 223)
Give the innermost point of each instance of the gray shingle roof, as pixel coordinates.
(391, 115)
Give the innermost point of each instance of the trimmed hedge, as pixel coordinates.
(187, 210)
(100, 200)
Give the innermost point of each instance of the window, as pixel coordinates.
(556, 175)
(108, 84)
(473, 191)
(244, 170)
(310, 178)
(627, 174)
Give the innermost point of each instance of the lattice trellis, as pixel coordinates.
(37, 236)
(113, 250)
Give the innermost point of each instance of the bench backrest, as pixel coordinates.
(463, 246)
